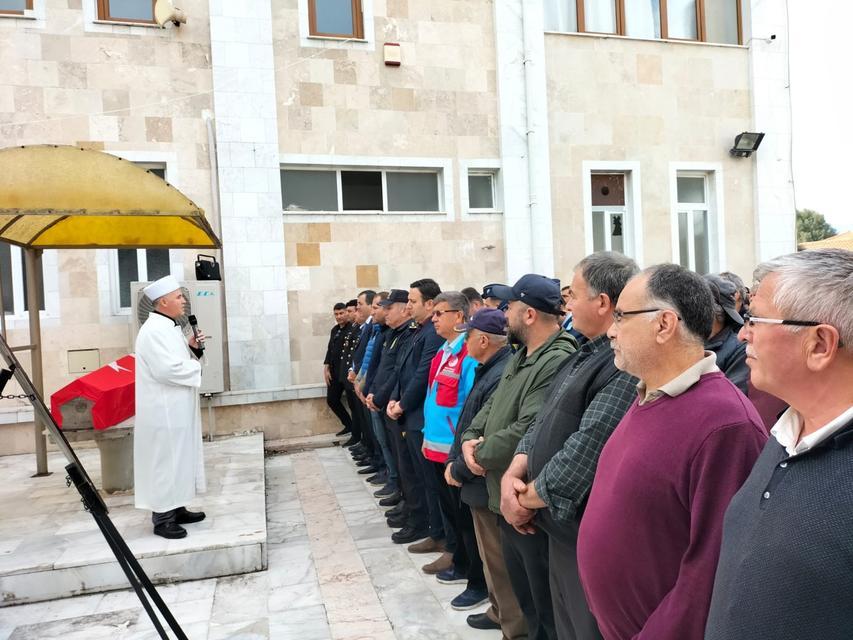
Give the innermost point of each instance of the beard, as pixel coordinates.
(516, 335)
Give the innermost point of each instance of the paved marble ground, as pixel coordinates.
(333, 574)
(51, 548)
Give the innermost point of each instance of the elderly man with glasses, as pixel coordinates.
(785, 565)
(649, 539)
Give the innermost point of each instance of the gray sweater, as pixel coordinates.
(786, 564)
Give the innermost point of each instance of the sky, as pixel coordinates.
(822, 107)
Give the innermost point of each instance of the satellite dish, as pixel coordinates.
(165, 12)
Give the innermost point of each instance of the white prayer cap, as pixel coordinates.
(161, 287)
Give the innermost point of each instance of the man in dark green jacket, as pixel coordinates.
(489, 442)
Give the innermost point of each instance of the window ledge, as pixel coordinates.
(615, 36)
(364, 216)
(27, 15)
(341, 39)
(149, 25)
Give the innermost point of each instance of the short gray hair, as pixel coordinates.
(815, 285)
(607, 272)
(455, 300)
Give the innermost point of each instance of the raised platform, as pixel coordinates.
(51, 548)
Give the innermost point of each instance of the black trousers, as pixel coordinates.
(355, 409)
(466, 557)
(573, 618)
(411, 478)
(526, 559)
(333, 398)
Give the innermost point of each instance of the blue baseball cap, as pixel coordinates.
(486, 320)
(537, 291)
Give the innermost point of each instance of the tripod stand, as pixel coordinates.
(92, 500)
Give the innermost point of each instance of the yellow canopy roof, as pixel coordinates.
(841, 241)
(58, 197)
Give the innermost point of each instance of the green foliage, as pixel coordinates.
(812, 226)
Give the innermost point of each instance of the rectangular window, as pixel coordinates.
(15, 7)
(718, 21)
(611, 213)
(336, 18)
(13, 272)
(127, 10)
(696, 229)
(374, 190)
(481, 191)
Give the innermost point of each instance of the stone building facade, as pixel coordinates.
(481, 156)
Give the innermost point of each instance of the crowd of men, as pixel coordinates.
(594, 461)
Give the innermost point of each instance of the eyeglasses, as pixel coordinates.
(619, 315)
(438, 314)
(751, 321)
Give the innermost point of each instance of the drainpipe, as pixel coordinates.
(538, 165)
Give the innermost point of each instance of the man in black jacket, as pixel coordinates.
(730, 352)
(348, 347)
(487, 344)
(546, 487)
(331, 364)
(407, 409)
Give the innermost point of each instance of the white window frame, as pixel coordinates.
(483, 166)
(146, 160)
(16, 317)
(368, 43)
(713, 174)
(440, 166)
(30, 19)
(632, 220)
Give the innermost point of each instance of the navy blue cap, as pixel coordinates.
(724, 296)
(486, 320)
(395, 295)
(534, 290)
(487, 290)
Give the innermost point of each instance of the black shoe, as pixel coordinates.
(391, 500)
(171, 530)
(397, 521)
(387, 491)
(377, 479)
(351, 442)
(357, 450)
(408, 534)
(399, 508)
(360, 456)
(366, 471)
(481, 621)
(365, 462)
(189, 517)
(343, 432)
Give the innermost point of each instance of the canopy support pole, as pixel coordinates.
(33, 271)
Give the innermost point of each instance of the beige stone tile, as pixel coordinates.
(307, 254)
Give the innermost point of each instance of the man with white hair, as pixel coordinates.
(649, 539)
(168, 464)
(787, 549)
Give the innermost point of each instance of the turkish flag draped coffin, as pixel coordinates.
(110, 389)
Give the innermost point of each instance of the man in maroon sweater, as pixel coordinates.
(650, 537)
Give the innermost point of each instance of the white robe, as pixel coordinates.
(168, 463)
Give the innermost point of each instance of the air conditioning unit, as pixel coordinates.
(204, 300)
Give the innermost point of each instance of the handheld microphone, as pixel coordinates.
(194, 325)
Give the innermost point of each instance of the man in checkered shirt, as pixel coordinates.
(550, 477)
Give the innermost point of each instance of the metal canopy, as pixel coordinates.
(62, 197)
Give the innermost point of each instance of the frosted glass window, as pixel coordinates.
(128, 271)
(681, 19)
(334, 17)
(700, 242)
(480, 192)
(560, 15)
(683, 240)
(6, 278)
(691, 190)
(130, 10)
(598, 241)
(412, 191)
(599, 16)
(13, 5)
(721, 21)
(642, 18)
(617, 233)
(309, 191)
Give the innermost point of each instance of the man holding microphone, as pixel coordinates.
(167, 453)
